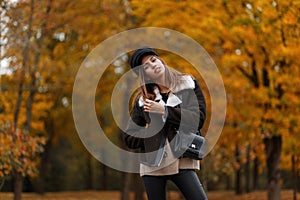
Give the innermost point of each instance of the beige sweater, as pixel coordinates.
(169, 165)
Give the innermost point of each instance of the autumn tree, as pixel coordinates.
(10, 25)
(56, 42)
(267, 63)
(255, 45)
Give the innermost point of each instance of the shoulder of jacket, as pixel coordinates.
(186, 82)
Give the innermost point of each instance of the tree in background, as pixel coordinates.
(264, 36)
(254, 43)
(44, 48)
(19, 153)
(27, 68)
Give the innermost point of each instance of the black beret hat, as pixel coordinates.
(137, 56)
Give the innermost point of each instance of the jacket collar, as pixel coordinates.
(186, 82)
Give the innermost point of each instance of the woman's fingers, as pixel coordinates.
(147, 105)
(148, 101)
(154, 107)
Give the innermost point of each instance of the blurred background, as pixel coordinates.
(255, 45)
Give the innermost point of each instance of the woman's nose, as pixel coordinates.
(152, 65)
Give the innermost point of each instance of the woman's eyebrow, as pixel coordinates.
(148, 60)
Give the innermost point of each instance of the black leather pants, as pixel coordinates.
(186, 180)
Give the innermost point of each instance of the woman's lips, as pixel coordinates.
(157, 69)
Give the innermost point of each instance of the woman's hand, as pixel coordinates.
(153, 107)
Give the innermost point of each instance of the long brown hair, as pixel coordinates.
(146, 90)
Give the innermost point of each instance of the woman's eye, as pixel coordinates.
(153, 59)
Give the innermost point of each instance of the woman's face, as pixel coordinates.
(153, 67)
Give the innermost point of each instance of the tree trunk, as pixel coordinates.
(126, 177)
(139, 189)
(104, 177)
(43, 169)
(89, 179)
(203, 173)
(40, 185)
(30, 100)
(247, 168)
(24, 66)
(125, 191)
(18, 179)
(32, 87)
(18, 185)
(273, 150)
(2, 182)
(238, 182)
(228, 182)
(294, 178)
(255, 173)
(297, 173)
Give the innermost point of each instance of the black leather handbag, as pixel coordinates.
(189, 145)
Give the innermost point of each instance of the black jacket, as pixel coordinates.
(186, 110)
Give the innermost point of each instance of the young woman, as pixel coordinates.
(167, 101)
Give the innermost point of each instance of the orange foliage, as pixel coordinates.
(19, 151)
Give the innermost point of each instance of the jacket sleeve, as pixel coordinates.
(133, 135)
(191, 113)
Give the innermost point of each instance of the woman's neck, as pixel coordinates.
(161, 82)
(163, 89)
